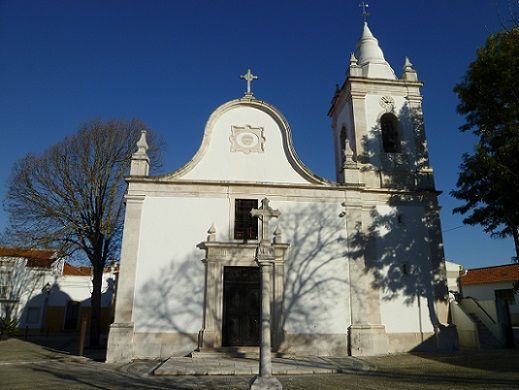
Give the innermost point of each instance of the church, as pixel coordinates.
(358, 263)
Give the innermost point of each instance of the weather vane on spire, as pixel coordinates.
(365, 13)
(249, 77)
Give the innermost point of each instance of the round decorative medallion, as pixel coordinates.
(247, 140)
(387, 102)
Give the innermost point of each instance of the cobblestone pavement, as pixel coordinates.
(25, 365)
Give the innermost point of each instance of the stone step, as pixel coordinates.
(487, 340)
(236, 352)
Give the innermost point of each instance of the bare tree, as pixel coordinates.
(71, 197)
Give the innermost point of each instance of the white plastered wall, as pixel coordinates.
(170, 274)
(406, 297)
(317, 280)
(486, 292)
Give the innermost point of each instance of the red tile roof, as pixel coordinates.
(501, 273)
(36, 258)
(69, 269)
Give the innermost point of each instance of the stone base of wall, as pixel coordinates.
(362, 340)
(367, 340)
(445, 339)
(163, 345)
(412, 341)
(120, 343)
(315, 344)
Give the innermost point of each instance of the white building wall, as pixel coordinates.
(453, 274)
(485, 292)
(403, 273)
(317, 280)
(170, 274)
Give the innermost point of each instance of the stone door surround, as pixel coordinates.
(224, 254)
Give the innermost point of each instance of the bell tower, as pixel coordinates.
(377, 123)
(391, 212)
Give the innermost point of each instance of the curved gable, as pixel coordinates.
(247, 140)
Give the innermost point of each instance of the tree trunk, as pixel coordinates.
(95, 316)
(515, 233)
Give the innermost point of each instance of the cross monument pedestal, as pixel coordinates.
(265, 259)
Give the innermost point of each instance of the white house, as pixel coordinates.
(494, 284)
(359, 265)
(23, 275)
(46, 294)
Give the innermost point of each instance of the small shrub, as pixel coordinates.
(8, 326)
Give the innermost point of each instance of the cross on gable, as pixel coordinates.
(265, 213)
(249, 77)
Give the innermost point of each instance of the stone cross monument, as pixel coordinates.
(265, 259)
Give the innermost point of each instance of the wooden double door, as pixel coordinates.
(241, 306)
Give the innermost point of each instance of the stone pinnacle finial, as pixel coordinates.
(407, 64)
(353, 59)
(409, 73)
(142, 146)
(348, 154)
(211, 233)
(354, 68)
(278, 235)
(140, 164)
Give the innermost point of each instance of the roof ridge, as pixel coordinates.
(492, 266)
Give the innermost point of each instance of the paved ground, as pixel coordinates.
(222, 365)
(25, 365)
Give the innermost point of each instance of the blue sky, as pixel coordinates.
(171, 63)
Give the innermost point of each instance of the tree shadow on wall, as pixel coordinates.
(401, 251)
(172, 299)
(169, 301)
(316, 269)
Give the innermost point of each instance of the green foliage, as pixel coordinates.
(8, 326)
(488, 182)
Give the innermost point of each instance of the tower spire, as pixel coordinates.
(371, 58)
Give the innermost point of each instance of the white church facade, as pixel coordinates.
(359, 266)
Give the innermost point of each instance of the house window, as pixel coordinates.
(5, 280)
(245, 226)
(390, 136)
